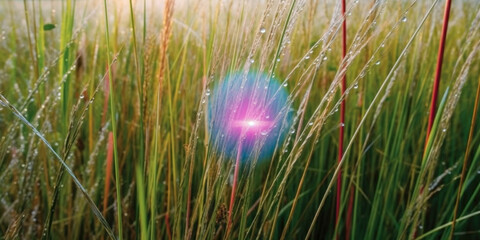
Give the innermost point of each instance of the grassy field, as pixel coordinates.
(111, 120)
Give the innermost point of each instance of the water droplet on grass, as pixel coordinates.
(262, 30)
(404, 19)
(378, 62)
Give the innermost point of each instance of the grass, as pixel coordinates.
(95, 93)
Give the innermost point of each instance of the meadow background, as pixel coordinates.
(104, 124)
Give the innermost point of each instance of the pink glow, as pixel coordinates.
(251, 110)
(251, 125)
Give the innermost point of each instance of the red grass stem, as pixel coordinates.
(108, 172)
(234, 187)
(438, 71)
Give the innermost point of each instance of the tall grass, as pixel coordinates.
(88, 87)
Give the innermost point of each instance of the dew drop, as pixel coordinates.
(252, 60)
(285, 84)
(262, 30)
(355, 86)
(310, 123)
(377, 63)
(404, 19)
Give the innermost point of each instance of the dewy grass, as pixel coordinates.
(174, 177)
(465, 160)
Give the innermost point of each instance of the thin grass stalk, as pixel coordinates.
(342, 117)
(29, 38)
(448, 224)
(114, 131)
(141, 202)
(162, 57)
(108, 172)
(465, 160)
(141, 152)
(139, 82)
(438, 70)
(234, 187)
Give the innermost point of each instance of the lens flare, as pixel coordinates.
(250, 108)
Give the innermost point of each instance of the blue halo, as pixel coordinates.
(250, 106)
